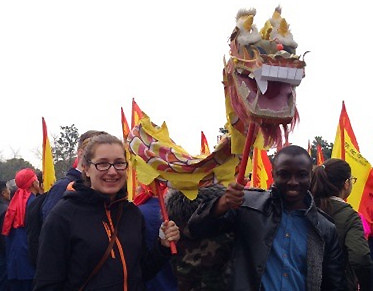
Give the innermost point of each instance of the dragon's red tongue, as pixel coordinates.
(276, 103)
(276, 97)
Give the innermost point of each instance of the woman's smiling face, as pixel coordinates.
(108, 181)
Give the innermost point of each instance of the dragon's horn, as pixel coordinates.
(248, 22)
(284, 28)
(277, 13)
(266, 30)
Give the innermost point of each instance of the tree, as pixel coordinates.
(9, 168)
(64, 149)
(325, 146)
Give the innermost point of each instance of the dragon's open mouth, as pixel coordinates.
(267, 96)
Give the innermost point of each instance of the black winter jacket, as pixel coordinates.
(58, 189)
(75, 236)
(354, 246)
(255, 224)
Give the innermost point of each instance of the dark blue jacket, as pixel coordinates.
(19, 266)
(3, 274)
(165, 279)
(57, 190)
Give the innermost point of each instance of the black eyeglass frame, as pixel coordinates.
(352, 179)
(109, 165)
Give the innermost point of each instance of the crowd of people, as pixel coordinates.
(84, 234)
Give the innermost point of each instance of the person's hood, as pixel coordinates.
(338, 206)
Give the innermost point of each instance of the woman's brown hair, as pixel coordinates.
(328, 180)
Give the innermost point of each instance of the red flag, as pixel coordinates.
(205, 150)
(125, 127)
(320, 156)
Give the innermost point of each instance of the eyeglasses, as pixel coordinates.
(352, 179)
(105, 166)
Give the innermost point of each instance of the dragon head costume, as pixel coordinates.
(261, 75)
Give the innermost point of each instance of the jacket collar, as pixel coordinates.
(85, 194)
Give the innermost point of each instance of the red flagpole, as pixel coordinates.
(249, 142)
(164, 214)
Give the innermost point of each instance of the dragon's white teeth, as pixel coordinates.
(288, 75)
(262, 85)
(243, 90)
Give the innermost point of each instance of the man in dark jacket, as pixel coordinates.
(57, 190)
(4, 203)
(282, 241)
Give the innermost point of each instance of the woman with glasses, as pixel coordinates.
(331, 184)
(93, 239)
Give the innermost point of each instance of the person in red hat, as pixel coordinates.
(20, 271)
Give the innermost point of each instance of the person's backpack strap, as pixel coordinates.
(108, 249)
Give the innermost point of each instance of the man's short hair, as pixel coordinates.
(86, 137)
(3, 186)
(292, 150)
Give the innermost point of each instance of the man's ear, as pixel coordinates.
(80, 154)
(346, 185)
(85, 170)
(36, 186)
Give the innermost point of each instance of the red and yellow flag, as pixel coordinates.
(137, 114)
(132, 183)
(261, 165)
(346, 148)
(49, 176)
(262, 169)
(125, 127)
(320, 155)
(205, 150)
(309, 148)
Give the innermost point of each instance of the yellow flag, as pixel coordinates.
(49, 176)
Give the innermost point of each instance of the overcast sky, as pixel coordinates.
(77, 62)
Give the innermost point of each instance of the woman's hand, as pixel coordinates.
(169, 231)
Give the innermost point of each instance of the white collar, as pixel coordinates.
(337, 199)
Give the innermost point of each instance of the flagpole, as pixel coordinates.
(246, 152)
(164, 214)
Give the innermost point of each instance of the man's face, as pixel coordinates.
(292, 176)
(6, 193)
